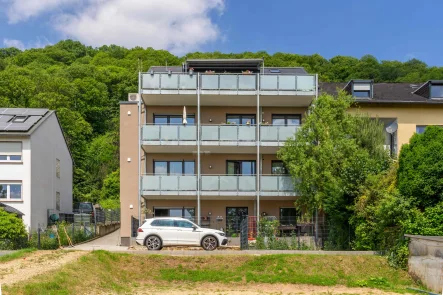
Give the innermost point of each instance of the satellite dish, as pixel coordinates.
(392, 128)
(53, 217)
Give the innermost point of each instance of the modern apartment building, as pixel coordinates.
(35, 165)
(200, 140)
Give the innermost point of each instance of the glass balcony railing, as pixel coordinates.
(228, 132)
(241, 183)
(228, 82)
(158, 183)
(276, 183)
(277, 133)
(169, 133)
(173, 81)
(216, 183)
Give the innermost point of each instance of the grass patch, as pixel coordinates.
(102, 271)
(16, 254)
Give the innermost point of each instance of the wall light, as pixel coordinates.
(129, 159)
(129, 113)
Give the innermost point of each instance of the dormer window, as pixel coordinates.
(19, 119)
(437, 91)
(362, 93)
(360, 88)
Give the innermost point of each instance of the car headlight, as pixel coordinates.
(222, 234)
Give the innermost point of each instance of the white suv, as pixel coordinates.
(157, 233)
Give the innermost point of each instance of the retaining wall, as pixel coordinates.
(426, 261)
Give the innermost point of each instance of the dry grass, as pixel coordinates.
(101, 272)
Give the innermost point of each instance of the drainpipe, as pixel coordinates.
(258, 166)
(138, 149)
(198, 151)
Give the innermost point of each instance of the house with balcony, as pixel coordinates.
(200, 140)
(35, 166)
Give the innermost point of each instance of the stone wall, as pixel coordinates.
(426, 261)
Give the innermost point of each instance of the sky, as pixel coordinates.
(389, 30)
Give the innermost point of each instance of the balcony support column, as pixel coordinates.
(198, 151)
(258, 165)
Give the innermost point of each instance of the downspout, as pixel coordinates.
(139, 150)
(257, 168)
(198, 151)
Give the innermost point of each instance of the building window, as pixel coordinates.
(288, 216)
(234, 218)
(174, 167)
(240, 167)
(57, 201)
(240, 119)
(173, 119)
(278, 168)
(10, 151)
(436, 91)
(57, 168)
(286, 120)
(420, 129)
(10, 191)
(188, 213)
(362, 93)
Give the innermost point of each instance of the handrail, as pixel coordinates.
(225, 132)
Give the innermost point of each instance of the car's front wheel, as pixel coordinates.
(209, 243)
(153, 243)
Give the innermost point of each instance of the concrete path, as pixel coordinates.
(109, 242)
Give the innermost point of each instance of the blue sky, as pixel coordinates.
(389, 30)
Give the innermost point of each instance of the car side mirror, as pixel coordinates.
(194, 227)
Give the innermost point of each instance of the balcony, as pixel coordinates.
(175, 185)
(274, 135)
(231, 185)
(276, 185)
(183, 186)
(228, 135)
(158, 136)
(212, 86)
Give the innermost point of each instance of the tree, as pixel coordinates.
(331, 156)
(420, 173)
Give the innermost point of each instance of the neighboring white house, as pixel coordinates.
(35, 165)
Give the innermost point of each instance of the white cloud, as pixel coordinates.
(21, 10)
(13, 43)
(176, 25)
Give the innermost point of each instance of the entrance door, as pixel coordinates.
(234, 217)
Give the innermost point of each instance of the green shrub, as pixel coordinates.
(13, 233)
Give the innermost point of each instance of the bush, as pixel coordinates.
(420, 172)
(13, 233)
(49, 239)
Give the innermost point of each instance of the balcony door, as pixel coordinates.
(173, 119)
(240, 119)
(286, 120)
(240, 167)
(234, 218)
(174, 167)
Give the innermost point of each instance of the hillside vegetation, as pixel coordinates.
(84, 85)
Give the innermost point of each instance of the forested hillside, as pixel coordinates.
(85, 85)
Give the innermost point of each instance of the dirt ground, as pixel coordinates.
(36, 263)
(252, 289)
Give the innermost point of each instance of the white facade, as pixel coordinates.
(42, 151)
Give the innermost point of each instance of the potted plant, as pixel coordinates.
(191, 71)
(247, 72)
(209, 72)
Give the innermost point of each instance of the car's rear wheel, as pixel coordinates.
(209, 243)
(153, 243)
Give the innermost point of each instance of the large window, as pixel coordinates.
(286, 120)
(240, 167)
(10, 191)
(436, 91)
(188, 213)
(288, 216)
(57, 168)
(240, 119)
(174, 167)
(278, 168)
(10, 151)
(362, 93)
(173, 119)
(57, 201)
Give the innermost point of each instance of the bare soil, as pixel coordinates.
(36, 263)
(251, 289)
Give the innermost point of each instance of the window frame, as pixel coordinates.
(284, 167)
(57, 201)
(168, 166)
(8, 158)
(8, 191)
(285, 118)
(168, 119)
(241, 161)
(19, 119)
(295, 216)
(440, 86)
(240, 118)
(57, 168)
